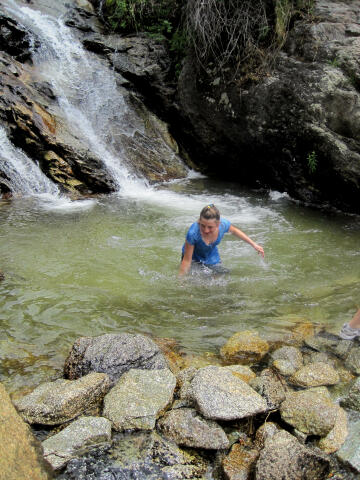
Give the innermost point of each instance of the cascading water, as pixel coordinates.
(86, 92)
(23, 175)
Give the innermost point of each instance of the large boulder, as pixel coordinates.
(187, 428)
(139, 398)
(304, 109)
(54, 403)
(113, 354)
(220, 395)
(21, 453)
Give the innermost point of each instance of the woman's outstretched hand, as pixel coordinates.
(259, 249)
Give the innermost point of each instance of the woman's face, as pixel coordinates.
(208, 228)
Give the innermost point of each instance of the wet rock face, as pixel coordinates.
(265, 133)
(15, 40)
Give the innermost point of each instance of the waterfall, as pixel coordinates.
(23, 175)
(86, 92)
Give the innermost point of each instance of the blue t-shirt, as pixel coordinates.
(207, 254)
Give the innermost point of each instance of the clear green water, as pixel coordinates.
(110, 265)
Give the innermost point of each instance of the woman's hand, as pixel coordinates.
(259, 249)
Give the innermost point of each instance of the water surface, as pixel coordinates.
(109, 265)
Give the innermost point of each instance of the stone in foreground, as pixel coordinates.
(283, 457)
(21, 453)
(349, 453)
(54, 403)
(220, 395)
(315, 375)
(187, 428)
(75, 439)
(310, 412)
(139, 398)
(244, 347)
(113, 354)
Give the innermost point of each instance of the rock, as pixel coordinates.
(352, 361)
(269, 386)
(316, 357)
(220, 395)
(309, 412)
(244, 347)
(315, 375)
(349, 453)
(337, 436)
(57, 402)
(187, 428)
(287, 360)
(113, 354)
(239, 463)
(21, 453)
(242, 371)
(139, 398)
(75, 439)
(324, 342)
(306, 105)
(302, 331)
(2, 276)
(352, 399)
(267, 430)
(284, 457)
(141, 455)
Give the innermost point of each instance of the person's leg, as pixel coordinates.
(351, 329)
(218, 268)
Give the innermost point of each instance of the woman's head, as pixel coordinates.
(210, 212)
(209, 221)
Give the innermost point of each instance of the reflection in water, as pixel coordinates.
(112, 267)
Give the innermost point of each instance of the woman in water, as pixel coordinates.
(204, 236)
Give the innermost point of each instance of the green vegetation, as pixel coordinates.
(245, 35)
(312, 161)
(154, 16)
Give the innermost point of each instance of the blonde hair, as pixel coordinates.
(210, 212)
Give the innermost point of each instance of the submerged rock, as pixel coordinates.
(21, 453)
(349, 453)
(57, 402)
(352, 361)
(244, 347)
(220, 395)
(139, 398)
(187, 428)
(74, 440)
(138, 456)
(352, 399)
(113, 354)
(284, 457)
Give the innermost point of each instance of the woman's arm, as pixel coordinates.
(187, 259)
(238, 233)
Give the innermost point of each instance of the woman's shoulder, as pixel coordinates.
(225, 223)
